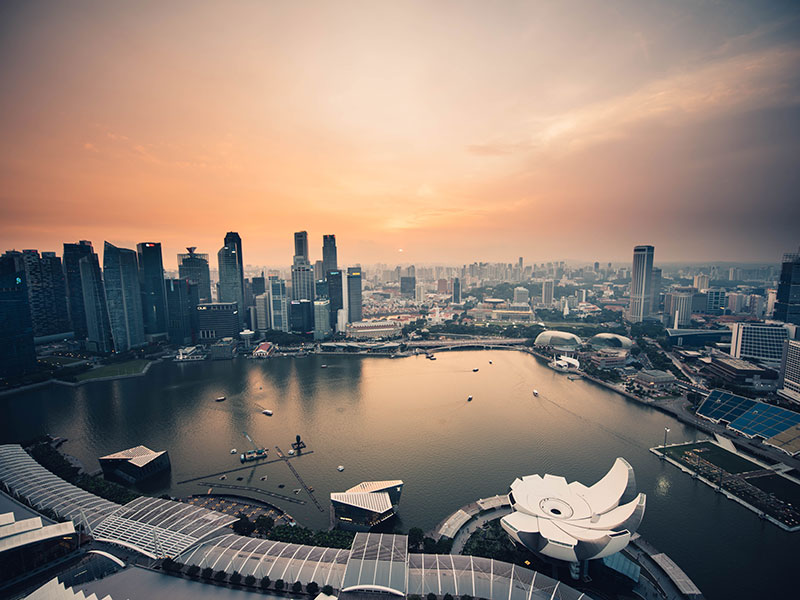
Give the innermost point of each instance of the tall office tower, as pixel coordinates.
(336, 283)
(419, 292)
(408, 286)
(17, 352)
(787, 298)
(123, 297)
(98, 326)
(756, 305)
(47, 300)
(322, 319)
(278, 304)
(596, 267)
(183, 296)
(521, 295)
(655, 289)
(680, 309)
(232, 240)
(55, 292)
(411, 271)
(772, 297)
(258, 285)
(701, 282)
(758, 341)
(330, 260)
(301, 316)
(790, 371)
(735, 303)
(151, 282)
(354, 294)
(319, 271)
(73, 253)
(456, 291)
(303, 287)
(217, 320)
(194, 267)
(641, 283)
(548, 288)
(715, 300)
(231, 281)
(301, 245)
(262, 313)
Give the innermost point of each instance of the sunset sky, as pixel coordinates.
(455, 130)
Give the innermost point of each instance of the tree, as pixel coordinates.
(466, 597)
(207, 573)
(447, 597)
(415, 536)
(220, 576)
(193, 571)
(265, 582)
(250, 580)
(312, 588)
(430, 596)
(327, 590)
(235, 578)
(297, 587)
(279, 585)
(243, 526)
(264, 523)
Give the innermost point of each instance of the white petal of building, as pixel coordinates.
(572, 522)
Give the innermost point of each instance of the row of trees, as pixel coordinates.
(265, 583)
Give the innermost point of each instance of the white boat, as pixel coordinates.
(340, 468)
(221, 399)
(469, 398)
(324, 366)
(233, 450)
(267, 412)
(490, 362)
(291, 452)
(535, 392)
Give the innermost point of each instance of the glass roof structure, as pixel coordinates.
(276, 560)
(560, 340)
(158, 528)
(377, 563)
(749, 417)
(26, 477)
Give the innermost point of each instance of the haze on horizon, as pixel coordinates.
(455, 130)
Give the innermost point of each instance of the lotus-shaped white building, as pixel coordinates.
(572, 522)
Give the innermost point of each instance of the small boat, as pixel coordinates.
(324, 366)
(224, 477)
(340, 468)
(490, 362)
(264, 478)
(433, 358)
(291, 452)
(310, 489)
(297, 490)
(267, 412)
(221, 399)
(536, 393)
(469, 398)
(281, 486)
(475, 370)
(233, 451)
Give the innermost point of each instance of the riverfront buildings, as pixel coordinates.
(134, 464)
(123, 297)
(182, 297)
(366, 505)
(217, 320)
(641, 283)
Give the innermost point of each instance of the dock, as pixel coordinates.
(233, 486)
(282, 456)
(252, 465)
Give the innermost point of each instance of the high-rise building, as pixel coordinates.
(262, 322)
(787, 298)
(715, 300)
(330, 260)
(735, 303)
(47, 298)
(548, 289)
(301, 316)
(278, 304)
(680, 308)
(123, 297)
(354, 313)
(790, 371)
(151, 282)
(420, 292)
(336, 283)
(258, 285)
(17, 352)
(303, 286)
(701, 282)
(319, 272)
(758, 341)
(231, 277)
(216, 320)
(655, 289)
(322, 319)
(73, 253)
(456, 291)
(301, 245)
(232, 240)
(408, 285)
(521, 295)
(194, 267)
(641, 283)
(98, 326)
(182, 298)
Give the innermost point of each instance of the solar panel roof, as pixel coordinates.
(765, 420)
(724, 406)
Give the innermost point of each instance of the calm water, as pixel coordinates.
(409, 419)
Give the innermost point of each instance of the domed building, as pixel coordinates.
(559, 340)
(611, 341)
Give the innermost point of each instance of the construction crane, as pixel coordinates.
(255, 454)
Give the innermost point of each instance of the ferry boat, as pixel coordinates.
(221, 399)
(340, 468)
(323, 366)
(252, 455)
(234, 450)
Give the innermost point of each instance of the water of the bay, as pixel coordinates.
(409, 419)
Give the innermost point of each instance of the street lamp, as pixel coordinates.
(666, 431)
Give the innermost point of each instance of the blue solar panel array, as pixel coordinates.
(748, 417)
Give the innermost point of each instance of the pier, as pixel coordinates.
(282, 456)
(232, 486)
(252, 465)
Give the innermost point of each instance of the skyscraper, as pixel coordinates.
(151, 282)
(231, 278)
(47, 300)
(301, 245)
(301, 316)
(335, 293)
(17, 353)
(548, 288)
(702, 281)
(330, 260)
(787, 299)
(194, 267)
(353, 294)
(641, 283)
(655, 289)
(123, 297)
(303, 287)
(790, 371)
(322, 319)
(262, 313)
(98, 327)
(73, 253)
(182, 300)
(319, 271)
(456, 291)
(278, 304)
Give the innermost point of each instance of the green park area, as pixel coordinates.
(130, 367)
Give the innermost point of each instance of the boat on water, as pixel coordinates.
(469, 398)
(490, 362)
(340, 468)
(291, 452)
(536, 393)
(220, 399)
(297, 490)
(223, 477)
(234, 450)
(264, 478)
(252, 455)
(267, 412)
(475, 370)
(323, 366)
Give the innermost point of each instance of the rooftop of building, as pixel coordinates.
(138, 455)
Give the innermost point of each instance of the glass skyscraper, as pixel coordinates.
(330, 260)
(231, 277)
(354, 313)
(278, 304)
(641, 283)
(73, 253)
(98, 327)
(151, 282)
(787, 300)
(194, 267)
(123, 297)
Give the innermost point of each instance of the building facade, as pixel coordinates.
(354, 304)
(641, 283)
(194, 267)
(151, 282)
(790, 371)
(322, 319)
(17, 353)
(217, 320)
(758, 341)
(548, 288)
(456, 291)
(123, 297)
(231, 277)
(278, 304)
(787, 298)
(336, 283)
(330, 259)
(73, 253)
(98, 336)
(183, 296)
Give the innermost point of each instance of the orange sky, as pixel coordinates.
(455, 130)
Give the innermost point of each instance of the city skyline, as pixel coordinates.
(457, 131)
